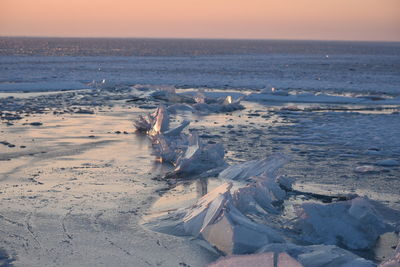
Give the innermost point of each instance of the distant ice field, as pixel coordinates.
(45, 64)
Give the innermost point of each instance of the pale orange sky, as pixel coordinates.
(260, 19)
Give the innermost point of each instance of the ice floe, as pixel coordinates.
(199, 157)
(168, 94)
(169, 148)
(157, 123)
(365, 169)
(226, 104)
(306, 97)
(264, 192)
(354, 224)
(194, 101)
(221, 224)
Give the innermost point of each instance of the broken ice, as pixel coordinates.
(354, 224)
(254, 168)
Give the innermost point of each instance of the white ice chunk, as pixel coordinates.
(198, 101)
(275, 91)
(175, 108)
(169, 148)
(199, 157)
(365, 169)
(176, 131)
(224, 227)
(217, 108)
(285, 182)
(210, 105)
(194, 220)
(155, 123)
(200, 97)
(264, 192)
(233, 233)
(243, 171)
(354, 224)
(216, 105)
(161, 121)
(142, 124)
(228, 100)
(168, 93)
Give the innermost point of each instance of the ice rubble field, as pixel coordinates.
(343, 72)
(256, 210)
(319, 234)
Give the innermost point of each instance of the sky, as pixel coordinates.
(375, 20)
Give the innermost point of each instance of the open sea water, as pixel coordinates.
(47, 64)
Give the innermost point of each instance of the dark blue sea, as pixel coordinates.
(51, 64)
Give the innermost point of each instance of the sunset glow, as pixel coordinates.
(287, 19)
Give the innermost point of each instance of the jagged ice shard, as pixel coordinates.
(155, 123)
(267, 166)
(264, 192)
(199, 157)
(216, 219)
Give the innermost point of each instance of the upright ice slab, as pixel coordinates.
(216, 219)
(266, 166)
(206, 209)
(199, 157)
(155, 123)
(233, 233)
(161, 121)
(264, 193)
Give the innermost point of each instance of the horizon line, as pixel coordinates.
(201, 38)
